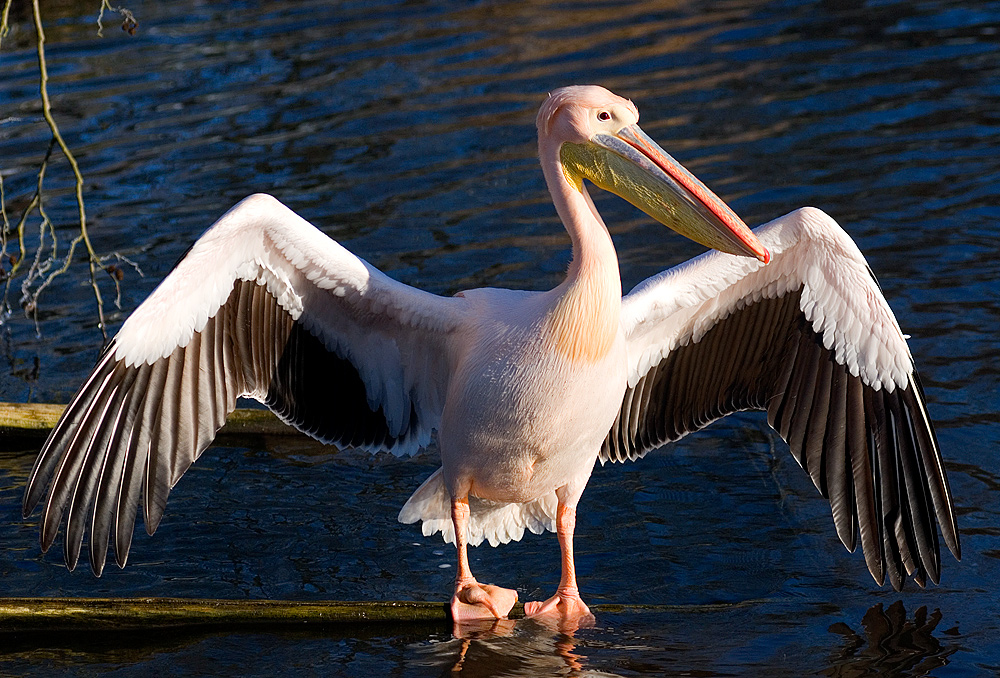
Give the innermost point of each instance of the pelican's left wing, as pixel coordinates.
(810, 339)
(263, 305)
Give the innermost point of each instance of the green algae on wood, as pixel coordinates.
(93, 614)
(30, 421)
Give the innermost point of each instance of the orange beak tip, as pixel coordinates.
(766, 256)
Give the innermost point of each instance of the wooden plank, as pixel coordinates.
(93, 614)
(30, 423)
(30, 615)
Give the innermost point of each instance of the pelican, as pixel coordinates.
(526, 390)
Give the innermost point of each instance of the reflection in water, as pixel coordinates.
(522, 648)
(892, 644)
(477, 628)
(64, 648)
(685, 642)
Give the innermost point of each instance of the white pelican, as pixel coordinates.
(527, 390)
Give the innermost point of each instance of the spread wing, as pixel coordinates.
(263, 305)
(810, 339)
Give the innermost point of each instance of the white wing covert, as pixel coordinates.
(810, 339)
(263, 305)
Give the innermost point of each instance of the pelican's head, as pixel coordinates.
(600, 140)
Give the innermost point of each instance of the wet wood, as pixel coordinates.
(22, 423)
(95, 614)
(29, 615)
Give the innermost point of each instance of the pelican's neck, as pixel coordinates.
(593, 250)
(585, 317)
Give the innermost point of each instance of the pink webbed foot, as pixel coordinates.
(566, 608)
(473, 600)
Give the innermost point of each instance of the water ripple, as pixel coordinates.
(406, 130)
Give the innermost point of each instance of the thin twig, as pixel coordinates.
(39, 266)
(6, 222)
(36, 201)
(129, 24)
(100, 18)
(117, 274)
(4, 26)
(4, 257)
(6, 225)
(94, 260)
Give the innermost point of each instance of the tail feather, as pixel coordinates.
(492, 521)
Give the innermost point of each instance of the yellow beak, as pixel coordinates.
(634, 167)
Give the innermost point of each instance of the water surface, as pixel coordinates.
(405, 130)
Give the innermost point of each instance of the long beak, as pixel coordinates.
(633, 166)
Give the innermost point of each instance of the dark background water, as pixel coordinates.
(405, 130)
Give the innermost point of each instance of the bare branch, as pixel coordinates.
(16, 261)
(117, 273)
(47, 262)
(129, 24)
(47, 112)
(4, 26)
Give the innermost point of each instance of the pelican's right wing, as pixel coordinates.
(263, 305)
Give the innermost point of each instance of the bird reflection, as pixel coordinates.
(488, 628)
(891, 644)
(507, 648)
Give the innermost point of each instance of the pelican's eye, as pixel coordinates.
(603, 116)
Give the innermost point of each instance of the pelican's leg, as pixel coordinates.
(473, 600)
(566, 603)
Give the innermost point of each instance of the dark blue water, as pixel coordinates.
(405, 130)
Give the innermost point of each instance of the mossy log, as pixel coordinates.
(22, 423)
(95, 614)
(29, 615)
